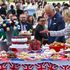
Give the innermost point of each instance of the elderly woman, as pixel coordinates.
(66, 31)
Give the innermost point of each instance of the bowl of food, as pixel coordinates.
(57, 46)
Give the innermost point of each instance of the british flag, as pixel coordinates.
(65, 67)
(41, 66)
(27, 66)
(51, 66)
(3, 66)
(14, 66)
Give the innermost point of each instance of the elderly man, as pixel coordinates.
(55, 23)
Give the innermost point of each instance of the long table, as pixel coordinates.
(45, 64)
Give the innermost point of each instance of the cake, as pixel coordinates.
(19, 42)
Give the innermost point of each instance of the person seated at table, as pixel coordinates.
(40, 27)
(65, 31)
(31, 20)
(24, 25)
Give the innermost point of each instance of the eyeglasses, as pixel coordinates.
(14, 19)
(42, 20)
(22, 17)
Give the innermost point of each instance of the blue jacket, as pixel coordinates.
(54, 24)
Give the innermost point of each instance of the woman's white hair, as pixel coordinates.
(66, 12)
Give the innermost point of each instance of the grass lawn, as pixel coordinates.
(11, 0)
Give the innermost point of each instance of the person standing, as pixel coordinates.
(55, 23)
(40, 27)
(66, 30)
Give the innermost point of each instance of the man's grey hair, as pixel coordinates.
(50, 7)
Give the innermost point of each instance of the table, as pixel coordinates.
(45, 64)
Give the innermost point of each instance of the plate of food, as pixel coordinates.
(57, 46)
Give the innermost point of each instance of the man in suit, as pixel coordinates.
(55, 23)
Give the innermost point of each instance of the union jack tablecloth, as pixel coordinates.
(37, 66)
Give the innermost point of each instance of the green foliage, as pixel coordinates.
(57, 0)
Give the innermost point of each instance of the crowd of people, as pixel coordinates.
(53, 17)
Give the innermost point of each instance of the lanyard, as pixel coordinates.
(23, 27)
